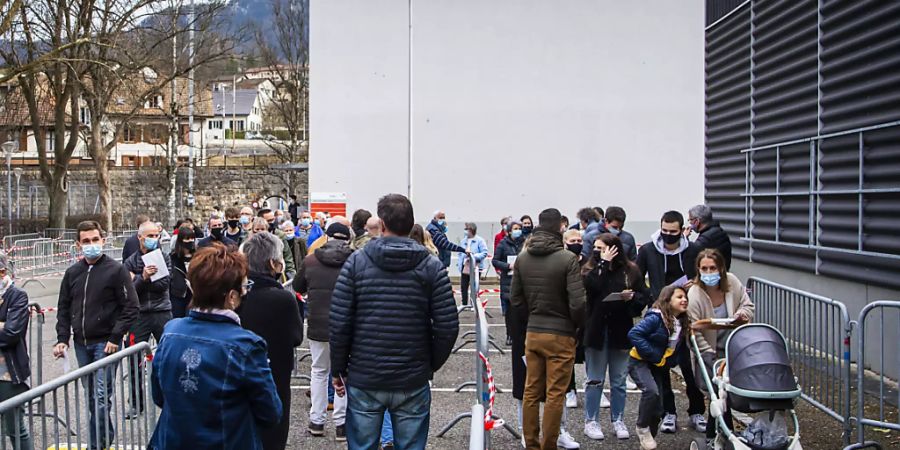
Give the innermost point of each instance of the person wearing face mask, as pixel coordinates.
(716, 294)
(272, 227)
(593, 228)
(272, 312)
(182, 252)
(246, 219)
(297, 246)
(474, 245)
(609, 272)
(234, 229)
(316, 278)
(709, 233)
(669, 258)
(15, 367)
(358, 224)
(210, 376)
(504, 256)
(217, 234)
(527, 225)
(96, 286)
(305, 227)
(437, 228)
(573, 241)
(155, 302)
(615, 224)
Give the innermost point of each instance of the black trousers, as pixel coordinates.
(148, 324)
(696, 400)
(464, 281)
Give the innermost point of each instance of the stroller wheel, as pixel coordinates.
(699, 444)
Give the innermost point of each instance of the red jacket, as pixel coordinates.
(499, 237)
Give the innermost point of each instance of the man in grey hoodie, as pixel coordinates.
(668, 258)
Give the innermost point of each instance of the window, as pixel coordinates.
(50, 140)
(154, 102)
(84, 115)
(130, 134)
(215, 125)
(240, 125)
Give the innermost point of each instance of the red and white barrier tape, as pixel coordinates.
(489, 422)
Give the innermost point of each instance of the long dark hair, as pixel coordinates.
(184, 232)
(620, 262)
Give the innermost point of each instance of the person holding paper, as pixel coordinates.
(475, 245)
(150, 269)
(667, 258)
(716, 294)
(504, 257)
(616, 294)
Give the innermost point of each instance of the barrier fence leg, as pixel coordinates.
(453, 423)
(476, 431)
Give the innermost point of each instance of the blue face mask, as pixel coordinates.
(441, 222)
(516, 234)
(614, 231)
(710, 279)
(92, 251)
(151, 243)
(305, 222)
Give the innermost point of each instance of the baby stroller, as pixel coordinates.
(754, 378)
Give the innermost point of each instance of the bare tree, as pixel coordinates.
(51, 35)
(129, 39)
(284, 49)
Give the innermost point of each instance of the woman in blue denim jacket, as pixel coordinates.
(210, 376)
(476, 245)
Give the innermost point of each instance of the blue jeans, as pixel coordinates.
(387, 430)
(409, 410)
(596, 363)
(99, 387)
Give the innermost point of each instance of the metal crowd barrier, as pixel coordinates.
(818, 331)
(9, 241)
(482, 414)
(58, 414)
(886, 330)
(299, 355)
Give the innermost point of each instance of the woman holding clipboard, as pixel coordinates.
(616, 294)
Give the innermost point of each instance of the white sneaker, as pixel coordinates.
(647, 441)
(523, 440)
(571, 399)
(621, 430)
(604, 401)
(629, 384)
(698, 422)
(593, 431)
(565, 440)
(669, 423)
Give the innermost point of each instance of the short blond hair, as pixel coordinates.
(571, 233)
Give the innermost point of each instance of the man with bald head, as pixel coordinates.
(438, 230)
(153, 296)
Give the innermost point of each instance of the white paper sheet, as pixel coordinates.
(155, 258)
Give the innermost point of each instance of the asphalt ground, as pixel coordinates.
(818, 430)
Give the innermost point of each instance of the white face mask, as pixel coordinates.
(5, 283)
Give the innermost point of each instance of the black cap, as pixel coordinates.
(338, 231)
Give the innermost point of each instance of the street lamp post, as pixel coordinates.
(9, 148)
(18, 171)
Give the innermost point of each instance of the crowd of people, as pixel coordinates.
(381, 319)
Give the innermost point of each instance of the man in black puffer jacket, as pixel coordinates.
(393, 323)
(710, 233)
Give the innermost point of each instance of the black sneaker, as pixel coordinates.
(133, 413)
(340, 433)
(316, 429)
(508, 341)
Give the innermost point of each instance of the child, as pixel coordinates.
(656, 340)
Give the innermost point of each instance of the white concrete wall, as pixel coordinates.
(515, 105)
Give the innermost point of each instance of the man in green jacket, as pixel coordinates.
(547, 282)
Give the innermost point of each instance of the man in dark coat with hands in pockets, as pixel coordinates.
(392, 325)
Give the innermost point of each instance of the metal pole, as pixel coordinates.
(190, 198)
(18, 204)
(233, 112)
(9, 190)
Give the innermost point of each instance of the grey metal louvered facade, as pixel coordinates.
(803, 134)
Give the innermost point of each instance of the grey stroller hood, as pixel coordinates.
(758, 361)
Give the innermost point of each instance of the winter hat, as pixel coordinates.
(338, 231)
